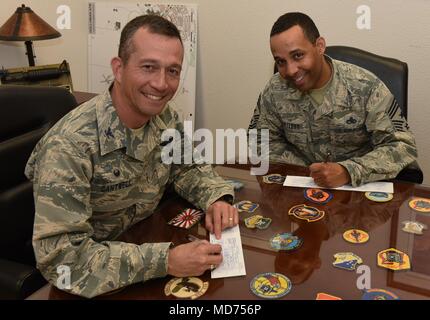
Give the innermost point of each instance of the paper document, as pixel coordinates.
(308, 182)
(233, 263)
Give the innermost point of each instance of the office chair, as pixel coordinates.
(26, 114)
(392, 72)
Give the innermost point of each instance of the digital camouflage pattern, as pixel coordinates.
(93, 178)
(359, 125)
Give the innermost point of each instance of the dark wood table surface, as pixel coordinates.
(309, 268)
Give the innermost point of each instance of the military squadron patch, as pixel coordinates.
(379, 196)
(379, 294)
(257, 221)
(307, 213)
(347, 260)
(186, 288)
(393, 259)
(270, 285)
(263, 223)
(187, 218)
(274, 178)
(246, 206)
(317, 195)
(420, 204)
(285, 241)
(252, 221)
(356, 236)
(414, 227)
(326, 296)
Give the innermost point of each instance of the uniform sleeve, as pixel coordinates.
(62, 235)
(265, 118)
(197, 182)
(393, 144)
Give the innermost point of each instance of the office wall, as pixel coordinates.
(234, 60)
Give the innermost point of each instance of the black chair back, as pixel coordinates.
(26, 114)
(393, 72)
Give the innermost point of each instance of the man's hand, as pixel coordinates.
(193, 259)
(221, 215)
(329, 175)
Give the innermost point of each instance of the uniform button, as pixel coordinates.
(116, 172)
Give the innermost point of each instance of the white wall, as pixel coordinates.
(234, 60)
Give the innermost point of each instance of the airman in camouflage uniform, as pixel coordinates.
(94, 177)
(319, 110)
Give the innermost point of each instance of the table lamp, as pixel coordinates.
(25, 25)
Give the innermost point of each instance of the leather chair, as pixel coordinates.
(394, 74)
(26, 114)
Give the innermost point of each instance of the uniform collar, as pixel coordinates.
(340, 87)
(337, 95)
(113, 135)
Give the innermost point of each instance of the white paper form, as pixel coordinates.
(233, 263)
(308, 182)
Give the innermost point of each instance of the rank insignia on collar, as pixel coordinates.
(356, 236)
(414, 227)
(186, 288)
(393, 259)
(307, 213)
(317, 195)
(270, 285)
(347, 260)
(420, 204)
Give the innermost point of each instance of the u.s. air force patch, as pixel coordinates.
(186, 288)
(270, 285)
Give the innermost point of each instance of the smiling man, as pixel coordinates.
(98, 171)
(335, 117)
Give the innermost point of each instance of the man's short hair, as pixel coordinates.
(154, 23)
(292, 19)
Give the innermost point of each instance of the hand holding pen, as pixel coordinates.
(329, 174)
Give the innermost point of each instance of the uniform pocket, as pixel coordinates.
(296, 132)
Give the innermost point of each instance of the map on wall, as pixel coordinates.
(107, 19)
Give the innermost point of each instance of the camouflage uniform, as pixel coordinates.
(359, 124)
(94, 178)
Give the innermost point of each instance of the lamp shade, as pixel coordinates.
(25, 25)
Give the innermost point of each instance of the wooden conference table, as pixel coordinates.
(310, 267)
